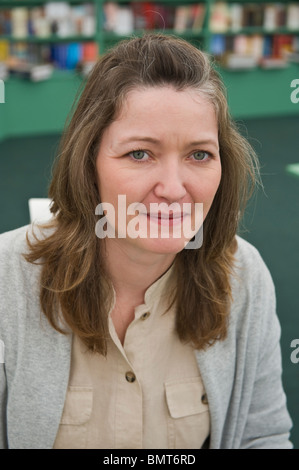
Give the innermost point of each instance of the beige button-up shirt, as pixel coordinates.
(147, 393)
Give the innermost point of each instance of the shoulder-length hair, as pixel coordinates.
(74, 285)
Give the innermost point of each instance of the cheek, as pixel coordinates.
(206, 190)
(111, 185)
(106, 181)
(214, 184)
(99, 175)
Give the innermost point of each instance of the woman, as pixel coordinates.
(118, 331)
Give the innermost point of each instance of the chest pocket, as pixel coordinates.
(72, 432)
(189, 418)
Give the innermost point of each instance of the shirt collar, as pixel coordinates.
(158, 289)
(154, 293)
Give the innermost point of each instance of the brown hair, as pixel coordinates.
(74, 285)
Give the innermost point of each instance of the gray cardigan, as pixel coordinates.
(241, 375)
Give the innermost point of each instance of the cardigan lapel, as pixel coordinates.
(217, 369)
(37, 395)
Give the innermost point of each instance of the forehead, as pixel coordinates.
(155, 93)
(169, 118)
(153, 104)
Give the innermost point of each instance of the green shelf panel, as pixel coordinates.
(33, 108)
(260, 92)
(37, 108)
(42, 108)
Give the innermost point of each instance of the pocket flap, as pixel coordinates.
(78, 405)
(185, 397)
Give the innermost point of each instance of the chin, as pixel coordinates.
(163, 246)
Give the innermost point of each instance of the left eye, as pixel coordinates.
(139, 155)
(200, 155)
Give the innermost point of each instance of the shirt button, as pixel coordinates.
(130, 377)
(204, 399)
(145, 316)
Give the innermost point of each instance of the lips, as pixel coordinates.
(167, 219)
(167, 216)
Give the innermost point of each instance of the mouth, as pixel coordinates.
(166, 216)
(167, 219)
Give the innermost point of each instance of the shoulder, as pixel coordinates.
(8, 239)
(13, 242)
(253, 291)
(18, 278)
(246, 254)
(13, 247)
(249, 265)
(19, 284)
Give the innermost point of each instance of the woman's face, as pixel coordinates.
(162, 148)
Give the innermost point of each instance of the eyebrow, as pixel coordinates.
(140, 139)
(156, 141)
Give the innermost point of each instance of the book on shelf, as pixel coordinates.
(271, 17)
(190, 17)
(247, 51)
(252, 15)
(4, 50)
(118, 19)
(218, 45)
(37, 62)
(4, 74)
(199, 13)
(32, 72)
(139, 17)
(220, 17)
(89, 56)
(292, 16)
(19, 22)
(273, 63)
(52, 18)
(136, 16)
(5, 23)
(70, 56)
(124, 21)
(239, 62)
(147, 16)
(236, 16)
(181, 18)
(110, 11)
(233, 17)
(293, 55)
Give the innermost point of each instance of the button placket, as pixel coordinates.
(128, 412)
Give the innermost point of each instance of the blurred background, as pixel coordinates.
(46, 52)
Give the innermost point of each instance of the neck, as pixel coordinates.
(132, 273)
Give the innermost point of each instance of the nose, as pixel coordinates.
(170, 182)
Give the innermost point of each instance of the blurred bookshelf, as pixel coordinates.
(48, 48)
